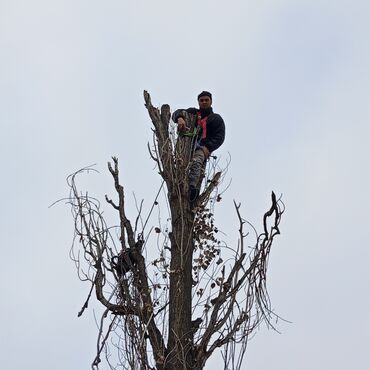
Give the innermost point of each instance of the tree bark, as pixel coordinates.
(180, 337)
(173, 164)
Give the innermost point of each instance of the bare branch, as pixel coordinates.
(125, 223)
(86, 302)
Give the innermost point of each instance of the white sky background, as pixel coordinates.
(290, 78)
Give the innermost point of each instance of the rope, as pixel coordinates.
(151, 210)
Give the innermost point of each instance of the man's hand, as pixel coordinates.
(181, 124)
(205, 151)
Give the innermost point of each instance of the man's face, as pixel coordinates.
(204, 102)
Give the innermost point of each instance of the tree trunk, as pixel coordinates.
(173, 165)
(180, 337)
(180, 334)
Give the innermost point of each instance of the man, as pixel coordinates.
(210, 136)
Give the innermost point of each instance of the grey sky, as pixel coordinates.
(290, 78)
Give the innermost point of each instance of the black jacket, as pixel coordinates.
(215, 127)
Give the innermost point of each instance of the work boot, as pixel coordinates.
(193, 193)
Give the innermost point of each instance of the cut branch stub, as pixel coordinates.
(165, 115)
(160, 121)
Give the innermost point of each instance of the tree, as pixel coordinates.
(197, 294)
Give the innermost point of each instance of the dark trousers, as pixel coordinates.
(196, 169)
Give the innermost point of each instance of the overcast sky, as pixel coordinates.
(291, 80)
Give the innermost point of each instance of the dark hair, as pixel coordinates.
(205, 93)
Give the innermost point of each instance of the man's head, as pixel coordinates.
(205, 100)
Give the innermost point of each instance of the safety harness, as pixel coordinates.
(202, 123)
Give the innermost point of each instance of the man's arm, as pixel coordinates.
(216, 134)
(179, 117)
